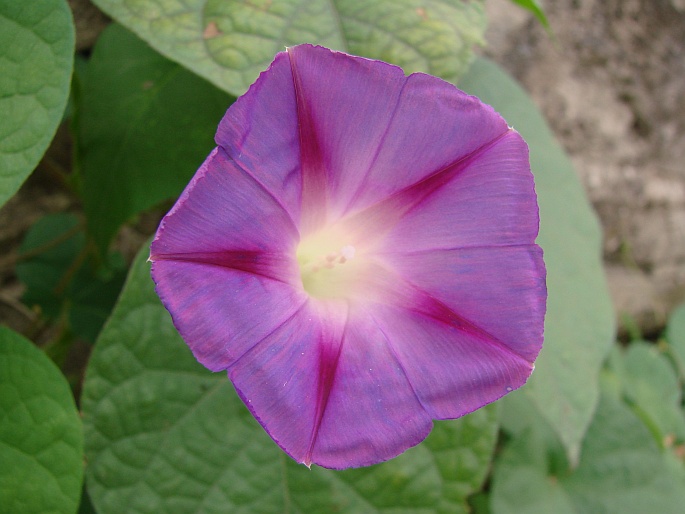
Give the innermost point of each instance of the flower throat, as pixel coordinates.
(327, 268)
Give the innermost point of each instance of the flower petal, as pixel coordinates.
(434, 127)
(373, 413)
(327, 389)
(501, 290)
(460, 355)
(223, 263)
(222, 313)
(260, 133)
(454, 367)
(375, 130)
(490, 202)
(486, 199)
(344, 106)
(222, 209)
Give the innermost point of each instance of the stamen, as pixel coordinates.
(329, 261)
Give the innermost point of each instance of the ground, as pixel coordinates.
(610, 82)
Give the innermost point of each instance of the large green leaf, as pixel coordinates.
(675, 334)
(41, 442)
(650, 385)
(230, 41)
(36, 59)
(621, 471)
(648, 382)
(144, 126)
(165, 435)
(579, 326)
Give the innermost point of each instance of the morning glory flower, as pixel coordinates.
(358, 253)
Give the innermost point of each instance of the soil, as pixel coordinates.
(610, 81)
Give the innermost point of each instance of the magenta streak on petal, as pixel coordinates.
(259, 131)
(398, 292)
(372, 412)
(330, 346)
(225, 209)
(267, 265)
(429, 306)
(314, 183)
(381, 217)
(428, 251)
(509, 279)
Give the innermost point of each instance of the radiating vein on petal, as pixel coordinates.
(287, 377)
(465, 331)
(220, 312)
(223, 210)
(314, 193)
(372, 413)
(268, 265)
(223, 262)
(328, 390)
(345, 105)
(502, 290)
(384, 286)
(378, 219)
(334, 317)
(260, 133)
(492, 202)
(452, 371)
(433, 126)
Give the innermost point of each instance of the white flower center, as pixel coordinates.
(327, 264)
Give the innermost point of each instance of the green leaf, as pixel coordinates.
(41, 442)
(621, 471)
(534, 7)
(144, 126)
(230, 41)
(579, 325)
(60, 280)
(36, 58)
(644, 377)
(163, 434)
(675, 335)
(651, 386)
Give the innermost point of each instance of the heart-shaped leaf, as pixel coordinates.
(36, 59)
(675, 335)
(41, 441)
(579, 325)
(229, 42)
(621, 471)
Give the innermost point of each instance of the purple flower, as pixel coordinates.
(359, 254)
